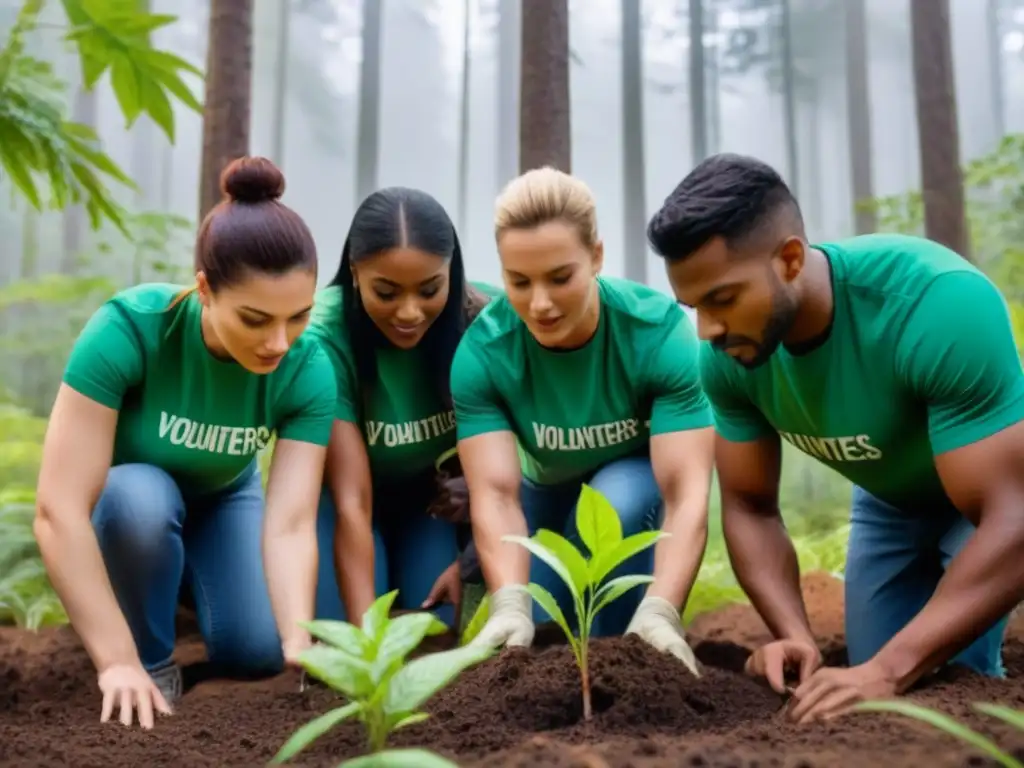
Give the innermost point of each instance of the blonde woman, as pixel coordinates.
(597, 380)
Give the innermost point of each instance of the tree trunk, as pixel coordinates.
(464, 118)
(228, 101)
(283, 51)
(75, 224)
(509, 68)
(544, 125)
(368, 132)
(858, 115)
(942, 182)
(634, 208)
(697, 66)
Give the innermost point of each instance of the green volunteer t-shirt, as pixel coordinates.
(573, 411)
(199, 418)
(920, 360)
(405, 425)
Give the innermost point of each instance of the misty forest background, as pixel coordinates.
(116, 117)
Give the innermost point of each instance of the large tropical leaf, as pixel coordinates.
(55, 162)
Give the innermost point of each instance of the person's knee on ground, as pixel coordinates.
(138, 523)
(137, 512)
(244, 647)
(985, 654)
(893, 566)
(422, 550)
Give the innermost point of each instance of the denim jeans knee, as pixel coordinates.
(223, 544)
(138, 522)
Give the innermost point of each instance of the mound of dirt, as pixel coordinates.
(521, 708)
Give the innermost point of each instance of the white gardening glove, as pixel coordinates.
(511, 621)
(657, 622)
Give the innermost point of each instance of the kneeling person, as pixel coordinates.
(889, 359)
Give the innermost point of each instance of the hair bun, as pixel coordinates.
(252, 180)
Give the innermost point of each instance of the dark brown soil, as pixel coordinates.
(518, 709)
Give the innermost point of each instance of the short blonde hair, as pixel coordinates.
(546, 194)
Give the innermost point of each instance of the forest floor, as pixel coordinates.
(517, 709)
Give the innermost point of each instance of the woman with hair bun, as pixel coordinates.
(149, 481)
(394, 502)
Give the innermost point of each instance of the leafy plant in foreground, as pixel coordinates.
(27, 598)
(367, 666)
(599, 528)
(960, 731)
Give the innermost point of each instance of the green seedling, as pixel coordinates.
(1011, 717)
(601, 532)
(368, 667)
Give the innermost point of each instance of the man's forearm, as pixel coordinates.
(677, 558)
(767, 569)
(982, 584)
(503, 563)
(354, 563)
(290, 561)
(75, 566)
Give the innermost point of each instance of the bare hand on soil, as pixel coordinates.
(774, 659)
(131, 688)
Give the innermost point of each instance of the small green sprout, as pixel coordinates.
(601, 532)
(367, 666)
(1011, 717)
(478, 619)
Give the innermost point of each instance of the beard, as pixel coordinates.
(780, 320)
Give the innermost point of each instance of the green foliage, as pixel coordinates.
(114, 35)
(1012, 717)
(47, 312)
(477, 621)
(55, 162)
(601, 532)
(368, 667)
(994, 190)
(26, 596)
(157, 242)
(823, 551)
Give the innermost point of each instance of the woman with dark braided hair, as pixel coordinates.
(392, 506)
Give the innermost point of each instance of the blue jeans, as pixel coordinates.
(410, 551)
(154, 543)
(630, 487)
(894, 563)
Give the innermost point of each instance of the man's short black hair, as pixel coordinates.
(728, 196)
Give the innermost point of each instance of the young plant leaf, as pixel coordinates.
(400, 758)
(421, 678)
(597, 522)
(405, 719)
(1009, 716)
(398, 634)
(548, 603)
(574, 562)
(611, 559)
(943, 723)
(616, 588)
(312, 731)
(339, 670)
(401, 636)
(376, 617)
(338, 634)
(549, 557)
(478, 620)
